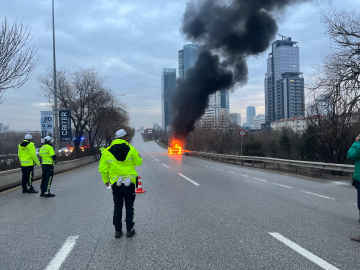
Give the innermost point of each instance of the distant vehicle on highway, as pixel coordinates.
(64, 151)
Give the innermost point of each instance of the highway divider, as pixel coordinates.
(12, 178)
(275, 162)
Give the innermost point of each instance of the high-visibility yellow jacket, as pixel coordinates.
(47, 154)
(118, 161)
(27, 154)
(101, 149)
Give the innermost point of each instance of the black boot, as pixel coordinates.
(118, 234)
(42, 194)
(130, 233)
(32, 190)
(48, 195)
(25, 191)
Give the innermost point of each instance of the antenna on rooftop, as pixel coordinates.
(283, 37)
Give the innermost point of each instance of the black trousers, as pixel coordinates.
(47, 176)
(123, 194)
(27, 176)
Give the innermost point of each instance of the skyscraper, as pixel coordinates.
(235, 118)
(284, 84)
(187, 58)
(168, 86)
(250, 114)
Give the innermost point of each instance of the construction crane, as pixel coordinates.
(283, 37)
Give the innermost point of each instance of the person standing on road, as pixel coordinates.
(48, 159)
(117, 167)
(27, 157)
(354, 155)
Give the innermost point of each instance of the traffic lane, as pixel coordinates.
(35, 228)
(313, 222)
(176, 230)
(341, 191)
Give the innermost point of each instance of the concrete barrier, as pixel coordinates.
(12, 178)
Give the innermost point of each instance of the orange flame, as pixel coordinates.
(175, 148)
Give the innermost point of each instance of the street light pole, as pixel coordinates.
(56, 113)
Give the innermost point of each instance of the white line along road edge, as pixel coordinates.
(166, 166)
(63, 252)
(196, 184)
(307, 254)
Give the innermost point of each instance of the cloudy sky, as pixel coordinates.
(131, 42)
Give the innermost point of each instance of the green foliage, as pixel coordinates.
(253, 148)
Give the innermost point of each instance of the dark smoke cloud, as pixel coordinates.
(232, 29)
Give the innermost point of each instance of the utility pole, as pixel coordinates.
(56, 112)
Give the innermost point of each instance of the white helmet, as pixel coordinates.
(28, 137)
(47, 139)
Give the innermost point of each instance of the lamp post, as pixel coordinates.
(56, 113)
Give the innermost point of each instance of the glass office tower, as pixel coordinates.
(284, 83)
(168, 86)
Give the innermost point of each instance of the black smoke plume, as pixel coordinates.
(229, 31)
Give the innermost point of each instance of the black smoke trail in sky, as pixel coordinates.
(230, 31)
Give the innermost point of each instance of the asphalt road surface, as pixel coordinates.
(195, 214)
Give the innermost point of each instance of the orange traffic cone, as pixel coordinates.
(139, 189)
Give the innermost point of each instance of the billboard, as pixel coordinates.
(65, 125)
(47, 125)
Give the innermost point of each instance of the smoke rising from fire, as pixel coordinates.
(230, 31)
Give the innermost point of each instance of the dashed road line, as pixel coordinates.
(166, 166)
(156, 159)
(307, 254)
(282, 185)
(63, 252)
(315, 194)
(230, 172)
(196, 184)
(260, 179)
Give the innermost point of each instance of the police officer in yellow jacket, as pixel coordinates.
(27, 157)
(48, 159)
(117, 167)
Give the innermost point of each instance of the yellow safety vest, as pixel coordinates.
(118, 161)
(27, 154)
(46, 153)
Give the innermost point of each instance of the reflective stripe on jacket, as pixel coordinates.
(27, 154)
(47, 153)
(118, 162)
(354, 155)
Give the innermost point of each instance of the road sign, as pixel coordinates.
(47, 126)
(65, 126)
(242, 132)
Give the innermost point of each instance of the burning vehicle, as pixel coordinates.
(175, 148)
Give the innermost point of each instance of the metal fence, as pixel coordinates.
(264, 161)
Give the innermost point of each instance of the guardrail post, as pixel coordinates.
(278, 167)
(252, 163)
(264, 165)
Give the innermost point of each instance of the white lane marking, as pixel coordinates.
(166, 166)
(196, 184)
(151, 156)
(156, 159)
(230, 172)
(260, 179)
(221, 169)
(282, 185)
(307, 254)
(244, 175)
(315, 194)
(63, 252)
(206, 166)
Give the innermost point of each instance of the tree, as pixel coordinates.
(17, 59)
(91, 102)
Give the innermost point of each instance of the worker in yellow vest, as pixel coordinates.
(48, 158)
(28, 158)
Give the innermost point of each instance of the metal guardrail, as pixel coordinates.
(275, 161)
